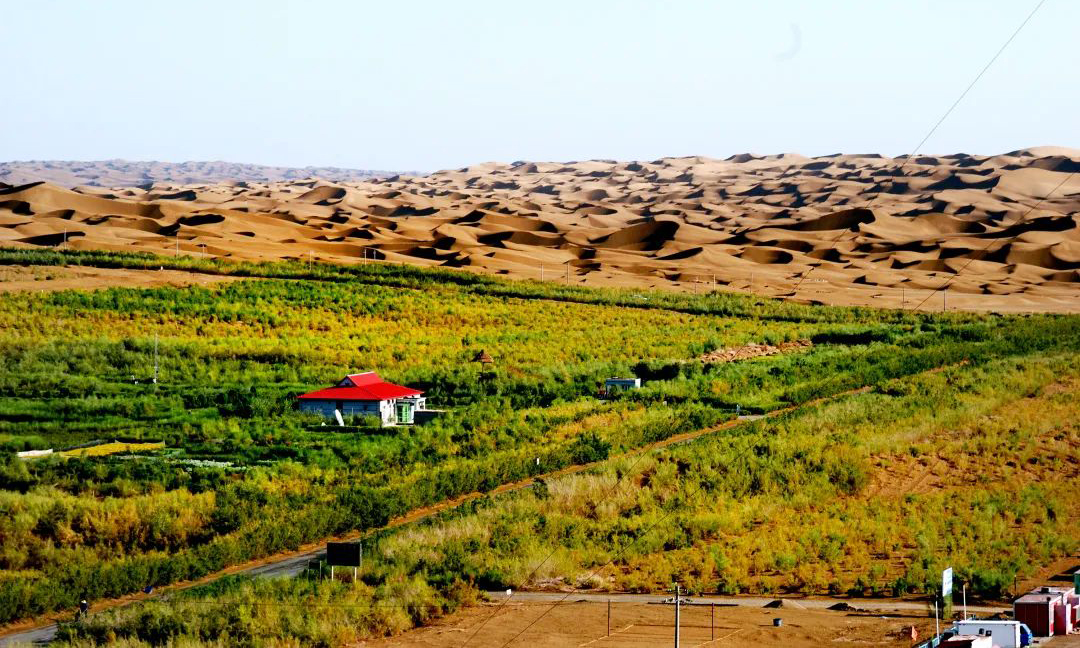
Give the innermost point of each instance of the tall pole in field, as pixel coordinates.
(155, 358)
(609, 617)
(712, 622)
(678, 594)
(937, 626)
(541, 271)
(567, 273)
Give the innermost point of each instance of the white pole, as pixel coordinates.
(937, 626)
(965, 601)
(678, 592)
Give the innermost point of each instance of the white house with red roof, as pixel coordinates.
(366, 394)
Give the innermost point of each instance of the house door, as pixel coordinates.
(404, 413)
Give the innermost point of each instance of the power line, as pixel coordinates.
(907, 160)
(933, 129)
(981, 253)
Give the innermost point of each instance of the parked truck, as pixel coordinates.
(1003, 634)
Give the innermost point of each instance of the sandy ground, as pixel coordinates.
(637, 624)
(1002, 231)
(50, 278)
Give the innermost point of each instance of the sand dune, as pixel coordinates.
(125, 173)
(848, 229)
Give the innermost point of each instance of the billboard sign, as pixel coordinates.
(946, 583)
(343, 554)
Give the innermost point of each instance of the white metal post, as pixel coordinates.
(937, 626)
(678, 593)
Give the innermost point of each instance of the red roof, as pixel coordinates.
(365, 386)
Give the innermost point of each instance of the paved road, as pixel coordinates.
(286, 568)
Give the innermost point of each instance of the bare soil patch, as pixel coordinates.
(52, 278)
(580, 624)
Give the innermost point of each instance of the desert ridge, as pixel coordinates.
(1002, 230)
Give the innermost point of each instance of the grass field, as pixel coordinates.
(872, 492)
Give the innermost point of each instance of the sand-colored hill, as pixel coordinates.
(875, 230)
(126, 173)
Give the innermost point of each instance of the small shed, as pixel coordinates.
(612, 385)
(1071, 601)
(1037, 611)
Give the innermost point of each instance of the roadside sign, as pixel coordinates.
(343, 554)
(946, 583)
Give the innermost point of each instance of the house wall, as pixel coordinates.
(383, 410)
(324, 408)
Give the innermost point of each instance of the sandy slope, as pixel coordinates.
(881, 232)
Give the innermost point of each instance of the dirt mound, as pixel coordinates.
(788, 604)
(753, 350)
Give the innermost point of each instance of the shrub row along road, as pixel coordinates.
(292, 563)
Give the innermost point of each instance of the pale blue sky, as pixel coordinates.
(429, 85)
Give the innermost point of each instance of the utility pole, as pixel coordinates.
(712, 622)
(964, 586)
(678, 596)
(903, 297)
(177, 243)
(945, 290)
(609, 617)
(567, 273)
(155, 358)
(541, 272)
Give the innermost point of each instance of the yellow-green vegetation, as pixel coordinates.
(102, 449)
(246, 475)
(814, 502)
(807, 502)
